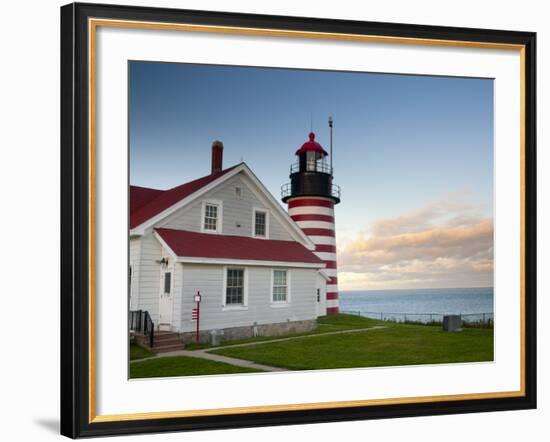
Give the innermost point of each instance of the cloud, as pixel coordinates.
(443, 244)
(453, 208)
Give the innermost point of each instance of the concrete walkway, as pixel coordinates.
(205, 353)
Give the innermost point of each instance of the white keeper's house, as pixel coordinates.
(259, 269)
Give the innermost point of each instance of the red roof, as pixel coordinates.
(145, 203)
(207, 245)
(140, 196)
(311, 146)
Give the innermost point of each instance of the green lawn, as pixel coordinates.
(346, 322)
(137, 352)
(182, 366)
(397, 344)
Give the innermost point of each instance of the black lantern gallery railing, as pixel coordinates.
(286, 191)
(140, 321)
(318, 166)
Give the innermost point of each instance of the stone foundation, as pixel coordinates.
(251, 331)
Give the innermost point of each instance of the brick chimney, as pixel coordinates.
(217, 156)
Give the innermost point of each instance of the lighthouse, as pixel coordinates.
(311, 196)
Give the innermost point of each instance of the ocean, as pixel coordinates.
(420, 304)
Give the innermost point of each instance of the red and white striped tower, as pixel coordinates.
(311, 197)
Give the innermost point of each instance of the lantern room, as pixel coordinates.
(312, 174)
(312, 156)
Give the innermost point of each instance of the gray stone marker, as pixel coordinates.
(452, 323)
(216, 336)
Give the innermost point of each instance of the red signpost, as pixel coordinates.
(196, 314)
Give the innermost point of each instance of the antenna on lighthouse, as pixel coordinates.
(330, 125)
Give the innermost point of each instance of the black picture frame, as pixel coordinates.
(75, 219)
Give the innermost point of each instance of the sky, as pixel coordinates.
(413, 156)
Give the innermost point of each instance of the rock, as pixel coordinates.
(452, 323)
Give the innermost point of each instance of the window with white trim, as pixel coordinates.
(260, 224)
(234, 288)
(210, 222)
(280, 286)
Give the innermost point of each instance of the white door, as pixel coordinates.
(320, 311)
(321, 296)
(165, 300)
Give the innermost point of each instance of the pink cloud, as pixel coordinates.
(444, 244)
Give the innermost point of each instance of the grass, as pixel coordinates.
(137, 352)
(396, 344)
(347, 322)
(182, 366)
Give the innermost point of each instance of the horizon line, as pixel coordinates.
(420, 288)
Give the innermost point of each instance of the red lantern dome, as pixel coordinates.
(312, 146)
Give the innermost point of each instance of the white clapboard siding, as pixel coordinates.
(134, 261)
(149, 275)
(208, 279)
(237, 212)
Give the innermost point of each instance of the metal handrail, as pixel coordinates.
(320, 166)
(484, 317)
(286, 190)
(140, 320)
(335, 190)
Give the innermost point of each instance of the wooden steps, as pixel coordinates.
(164, 341)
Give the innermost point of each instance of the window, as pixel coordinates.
(234, 291)
(311, 161)
(280, 286)
(318, 295)
(238, 193)
(210, 217)
(260, 224)
(167, 282)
